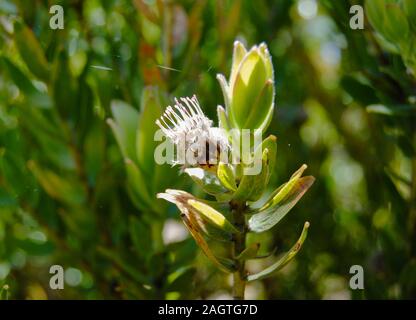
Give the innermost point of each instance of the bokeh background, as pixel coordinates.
(345, 106)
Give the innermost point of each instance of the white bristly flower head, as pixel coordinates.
(186, 125)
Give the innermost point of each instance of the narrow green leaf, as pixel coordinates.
(392, 110)
(141, 236)
(31, 93)
(31, 51)
(409, 7)
(238, 55)
(249, 253)
(64, 86)
(375, 11)
(396, 28)
(181, 279)
(270, 144)
(280, 193)
(137, 182)
(283, 260)
(210, 230)
(263, 103)
(251, 187)
(115, 258)
(208, 181)
(211, 223)
(225, 265)
(249, 82)
(225, 91)
(266, 219)
(124, 127)
(145, 144)
(66, 190)
(267, 59)
(212, 215)
(226, 176)
(223, 122)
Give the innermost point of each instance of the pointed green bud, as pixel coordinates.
(249, 94)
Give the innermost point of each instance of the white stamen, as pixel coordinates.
(186, 120)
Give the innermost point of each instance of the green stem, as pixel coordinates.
(239, 245)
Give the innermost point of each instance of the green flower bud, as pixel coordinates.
(249, 94)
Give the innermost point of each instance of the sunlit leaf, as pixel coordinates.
(226, 176)
(32, 94)
(208, 181)
(252, 186)
(212, 215)
(392, 110)
(283, 201)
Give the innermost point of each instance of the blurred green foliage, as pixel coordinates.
(345, 104)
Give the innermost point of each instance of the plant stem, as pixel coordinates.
(238, 247)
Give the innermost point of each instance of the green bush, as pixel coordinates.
(78, 181)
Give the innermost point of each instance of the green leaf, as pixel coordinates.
(250, 252)
(396, 27)
(141, 236)
(118, 260)
(375, 11)
(267, 59)
(181, 279)
(66, 190)
(283, 261)
(213, 216)
(156, 264)
(280, 193)
(264, 101)
(31, 51)
(64, 87)
(281, 202)
(239, 53)
(223, 264)
(31, 93)
(361, 92)
(208, 181)
(124, 127)
(270, 144)
(223, 122)
(226, 176)
(409, 8)
(225, 91)
(36, 248)
(392, 110)
(251, 187)
(249, 82)
(49, 137)
(201, 214)
(138, 184)
(145, 144)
